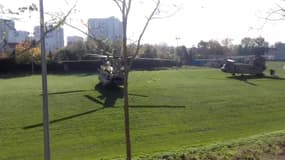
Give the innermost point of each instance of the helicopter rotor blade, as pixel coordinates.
(96, 55)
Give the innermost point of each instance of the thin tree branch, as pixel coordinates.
(128, 8)
(60, 23)
(118, 4)
(280, 11)
(144, 29)
(168, 15)
(85, 33)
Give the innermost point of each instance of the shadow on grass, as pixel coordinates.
(14, 75)
(245, 78)
(62, 119)
(109, 95)
(248, 77)
(94, 99)
(86, 74)
(137, 95)
(74, 73)
(77, 91)
(155, 106)
(66, 92)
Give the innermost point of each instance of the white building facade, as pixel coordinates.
(54, 40)
(105, 28)
(279, 52)
(74, 39)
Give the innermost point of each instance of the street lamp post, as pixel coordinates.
(177, 41)
(44, 87)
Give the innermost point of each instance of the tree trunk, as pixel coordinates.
(32, 67)
(126, 77)
(125, 6)
(126, 115)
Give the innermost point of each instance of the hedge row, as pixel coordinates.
(9, 66)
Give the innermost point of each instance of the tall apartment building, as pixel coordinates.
(54, 40)
(15, 37)
(6, 26)
(105, 28)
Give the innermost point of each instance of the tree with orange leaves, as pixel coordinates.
(26, 53)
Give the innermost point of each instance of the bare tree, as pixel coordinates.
(44, 33)
(276, 14)
(57, 22)
(125, 8)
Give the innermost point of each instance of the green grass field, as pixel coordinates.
(170, 110)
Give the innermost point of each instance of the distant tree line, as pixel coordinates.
(181, 54)
(208, 49)
(212, 48)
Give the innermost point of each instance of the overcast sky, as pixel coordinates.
(195, 20)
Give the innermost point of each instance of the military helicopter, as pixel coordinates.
(111, 72)
(254, 67)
